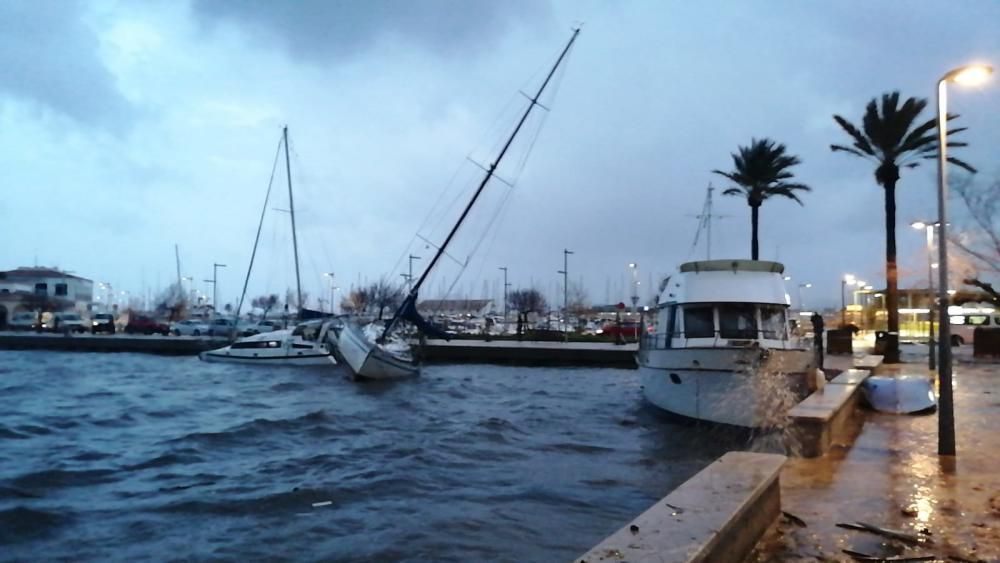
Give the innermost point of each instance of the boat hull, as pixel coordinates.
(750, 388)
(367, 361)
(308, 358)
(903, 394)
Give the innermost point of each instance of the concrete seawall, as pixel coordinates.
(167, 345)
(717, 515)
(526, 353)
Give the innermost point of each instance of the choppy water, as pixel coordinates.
(124, 457)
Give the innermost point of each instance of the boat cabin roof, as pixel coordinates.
(726, 281)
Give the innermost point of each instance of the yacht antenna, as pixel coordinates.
(705, 223)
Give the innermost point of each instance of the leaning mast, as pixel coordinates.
(411, 296)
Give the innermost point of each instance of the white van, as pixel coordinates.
(963, 326)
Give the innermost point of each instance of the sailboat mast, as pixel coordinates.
(291, 209)
(486, 179)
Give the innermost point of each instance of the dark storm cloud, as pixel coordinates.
(332, 30)
(49, 56)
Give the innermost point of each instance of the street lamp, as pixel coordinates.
(969, 74)
(409, 277)
(505, 286)
(565, 273)
(929, 227)
(215, 285)
(635, 284)
(330, 275)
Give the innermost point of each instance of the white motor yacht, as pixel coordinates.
(304, 345)
(721, 350)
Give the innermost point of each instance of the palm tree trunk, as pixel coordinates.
(754, 247)
(891, 276)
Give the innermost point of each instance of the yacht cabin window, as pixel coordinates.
(737, 320)
(772, 322)
(699, 321)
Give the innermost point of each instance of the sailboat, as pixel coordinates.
(368, 359)
(303, 345)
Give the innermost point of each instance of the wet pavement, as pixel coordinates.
(892, 477)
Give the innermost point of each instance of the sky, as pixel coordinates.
(128, 128)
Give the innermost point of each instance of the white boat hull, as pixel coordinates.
(903, 394)
(366, 360)
(739, 387)
(276, 348)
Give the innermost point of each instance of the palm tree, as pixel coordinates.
(761, 171)
(891, 138)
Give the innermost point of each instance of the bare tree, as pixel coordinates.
(577, 300)
(357, 301)
(172, 302)
(385, 294)
(978, 239)
(265, 303)
(525, 302)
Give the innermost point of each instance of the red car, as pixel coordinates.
(628, 331)
(145, 325)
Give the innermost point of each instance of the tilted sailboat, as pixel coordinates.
(374, 360)
(303, 345)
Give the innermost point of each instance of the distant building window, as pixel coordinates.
(41, 289)
(61, 290)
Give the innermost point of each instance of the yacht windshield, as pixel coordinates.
(737, 320)
(772, 321)
(699, 322)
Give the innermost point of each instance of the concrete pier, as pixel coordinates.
(891, 476)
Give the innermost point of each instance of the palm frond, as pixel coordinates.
(853, 151)
(860, 141)
(733, 191)
(962, 164)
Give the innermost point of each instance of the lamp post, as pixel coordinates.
(565, 273)
(802, 304)
(505, 286)
(214, 282)
(847, 279)
(929, 228)
(634, 268)
(409, 277)
(970, 74)
(330, 275)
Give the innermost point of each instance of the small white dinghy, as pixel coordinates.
(901, 394)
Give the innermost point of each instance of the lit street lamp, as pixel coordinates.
(635, 284)
(929, 228)
(970, 74)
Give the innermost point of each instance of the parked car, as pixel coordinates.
(628, 331)
(102, 322)
(221, 327)
(140, 324)
(267, 325)
(23, 321)
(68, 322)
(189, 327)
